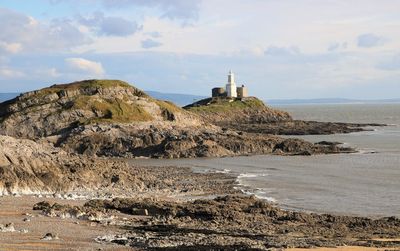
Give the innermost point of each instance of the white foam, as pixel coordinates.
(259, 192)
(223, 171)
(258, 195)
(366, 151)
(247, 175)
(251, 175)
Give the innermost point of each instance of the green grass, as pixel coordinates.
(115, 110)
(92, 83)
(100, 83)
(224, 105)
(167, 106)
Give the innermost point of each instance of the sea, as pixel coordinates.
(366, 183)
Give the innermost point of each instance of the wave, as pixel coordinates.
(259, 194)
(223, 171)
(251, 175)
(366, 151)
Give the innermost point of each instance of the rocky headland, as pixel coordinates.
(114, 119)
(252, 115)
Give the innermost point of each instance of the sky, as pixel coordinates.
(278, 48)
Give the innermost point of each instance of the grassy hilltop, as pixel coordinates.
(227, 110)
(59, 107)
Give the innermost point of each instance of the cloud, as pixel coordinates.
(337, 46)
(110, 26)
(10, 47)
(282, 51)
(86, 66)
(10, 73)
(392, 63)
(171, 9)
(153, 34)
(150, 43)
(369, 40)
(24, 33)
(47, 72)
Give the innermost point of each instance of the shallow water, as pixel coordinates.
(365, 183)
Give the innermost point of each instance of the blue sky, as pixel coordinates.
(279, 49)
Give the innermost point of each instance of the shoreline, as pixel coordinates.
(250, 180)
(198, 219)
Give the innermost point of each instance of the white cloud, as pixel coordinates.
(86, 66)
(47, 72)
(110, 26)
(20, 32)
(337, 46)
(172, 9)
(10, 47)
(150, 43)
(390, 63)
(369, 40)
(10, 73)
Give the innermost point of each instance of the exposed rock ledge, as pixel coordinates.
(226, 223)
(169, 140)
(27, 167)
(253, 116)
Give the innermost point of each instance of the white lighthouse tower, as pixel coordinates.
(231, 86)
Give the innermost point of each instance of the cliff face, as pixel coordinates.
(60, 108)
(223, 111)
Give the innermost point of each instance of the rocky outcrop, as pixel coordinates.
(27, 167)
(111, 118)
(60, 108)
(299, 127)
(166, 141)
(229, 223)
(222, 111)
(253, 116)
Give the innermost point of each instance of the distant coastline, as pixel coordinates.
(185, 99)
(7, 96)
(330, 101)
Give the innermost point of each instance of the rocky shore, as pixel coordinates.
(173, 141)
(110, 118)
(231, 222)
(157, 208)
(27, 167)
(62, 149)
(253, 116)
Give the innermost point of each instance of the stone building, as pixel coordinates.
(230, 91)
(218, 92)
(242, 92)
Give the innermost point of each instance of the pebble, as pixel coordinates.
(9, 227)
(49, 237)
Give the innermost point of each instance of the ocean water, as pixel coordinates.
(365, 183)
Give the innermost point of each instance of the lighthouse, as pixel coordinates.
(231, 90)
(231, 86)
